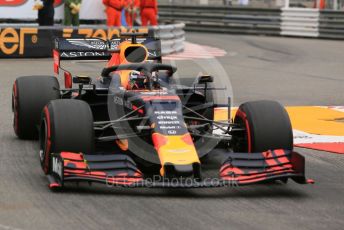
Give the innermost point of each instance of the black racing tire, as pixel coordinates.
(267, 127)
(30, 94)
(66, 126)
(197, 97)
(209, 112)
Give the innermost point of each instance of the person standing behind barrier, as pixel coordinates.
(131, 10)
(113, 11)
(320, 4)
(149, 12)
(71, 12)
(45, 12)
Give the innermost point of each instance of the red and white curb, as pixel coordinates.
(315, 127)
(334, 144)
(195, 51)
(320, 141)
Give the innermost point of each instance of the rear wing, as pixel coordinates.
(95, 48)
(98, 49)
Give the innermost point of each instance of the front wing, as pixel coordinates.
(118, 170)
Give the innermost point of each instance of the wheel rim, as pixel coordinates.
(15, 108)
(241, 140)
(43, 146)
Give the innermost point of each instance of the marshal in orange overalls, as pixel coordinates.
(320, 4)
(149, 12)
(113, 11)
(131, 10)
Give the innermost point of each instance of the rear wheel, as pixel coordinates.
(66, 126)
(30, 94)
(267, 127)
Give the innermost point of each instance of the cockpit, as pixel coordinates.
(139, 80)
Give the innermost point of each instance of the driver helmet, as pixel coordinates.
(137, 80)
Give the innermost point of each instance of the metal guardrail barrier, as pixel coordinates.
(313, 23)
(331, 24)
(224, 19)
(172, 37)
(300, 22)
(240, 20)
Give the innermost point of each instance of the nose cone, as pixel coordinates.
(177, 154)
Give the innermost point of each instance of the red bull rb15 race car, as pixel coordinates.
(132, 125)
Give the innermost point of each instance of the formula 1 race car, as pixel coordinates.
(133, 125)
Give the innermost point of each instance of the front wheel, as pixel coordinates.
(267, 127)
(66, 126)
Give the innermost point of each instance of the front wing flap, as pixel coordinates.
(251, 168)
(114, 169)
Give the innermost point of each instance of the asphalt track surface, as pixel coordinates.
(292, 71)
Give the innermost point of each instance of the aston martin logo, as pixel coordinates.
(82, 54)
(94, 44)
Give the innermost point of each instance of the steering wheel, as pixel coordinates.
(145, 67)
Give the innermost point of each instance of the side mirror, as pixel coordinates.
(82, 80)
(204, 79)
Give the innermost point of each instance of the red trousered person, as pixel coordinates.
(113, 11)
(132, 8)
(149, 12)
